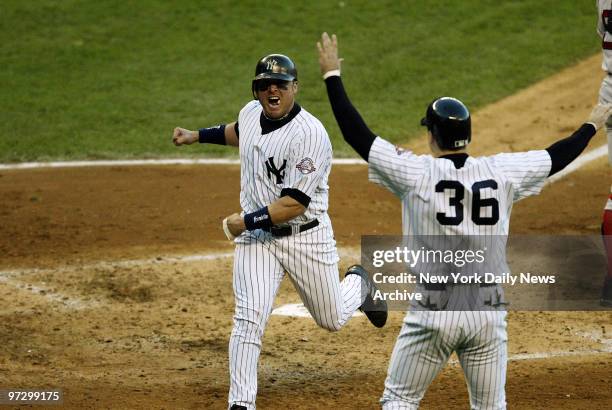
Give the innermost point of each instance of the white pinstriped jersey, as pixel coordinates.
(604, 8)
(439, 199)
(298, 155)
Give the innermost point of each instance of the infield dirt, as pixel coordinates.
(153, 333)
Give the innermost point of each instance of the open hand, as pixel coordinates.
(328, 53)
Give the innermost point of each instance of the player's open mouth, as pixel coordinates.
(274, 101)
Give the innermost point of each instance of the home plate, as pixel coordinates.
(298, 310)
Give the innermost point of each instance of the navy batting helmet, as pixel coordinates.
(449, 121)
(274, 66)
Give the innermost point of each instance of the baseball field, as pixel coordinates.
(115, 280)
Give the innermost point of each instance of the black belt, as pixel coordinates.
(287, 230)
(442, 286)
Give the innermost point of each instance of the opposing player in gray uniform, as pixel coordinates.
(450, 193)
(285, 160)
(604, 29)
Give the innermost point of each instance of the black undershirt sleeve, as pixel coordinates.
(354, 130)
(296, 194)
(563, 152)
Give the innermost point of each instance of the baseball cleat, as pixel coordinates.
(375, 310)
(237, 407)
(606, 293)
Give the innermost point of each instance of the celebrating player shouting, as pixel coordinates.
(450, 193)
(285, 160)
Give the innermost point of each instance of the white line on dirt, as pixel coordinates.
(9, 277)
(548, 355)
(348, 252)
(119, 264)
(298, 310)
(51, 296)
(580, 162)
(141, 162)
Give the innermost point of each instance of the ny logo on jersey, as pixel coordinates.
(279, 173)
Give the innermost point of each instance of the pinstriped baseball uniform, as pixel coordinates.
(454, 195)
(292, 154)
(604, 29)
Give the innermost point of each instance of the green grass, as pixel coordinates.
(111, 79)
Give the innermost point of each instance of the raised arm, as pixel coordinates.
(563, 152)
(224, 134)
(354, 129)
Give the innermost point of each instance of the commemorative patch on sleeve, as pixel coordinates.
(306, 166)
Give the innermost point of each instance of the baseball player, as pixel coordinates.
(604, 29)
(285, 160)
(450, 193)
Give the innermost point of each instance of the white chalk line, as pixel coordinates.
(549, 355)
(119, 264)
(580, 162)
(143, 162)
(71, 303)
(298, 310)
(9, 277)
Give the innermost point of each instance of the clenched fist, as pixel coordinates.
(181, 136)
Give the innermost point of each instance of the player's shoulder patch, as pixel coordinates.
(306, 166)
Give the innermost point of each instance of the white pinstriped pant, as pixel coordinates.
(424, 345)
(605, 97)
(311, 260)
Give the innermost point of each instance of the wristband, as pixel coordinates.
(331, 73)
(212, 135)
(259, 219)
